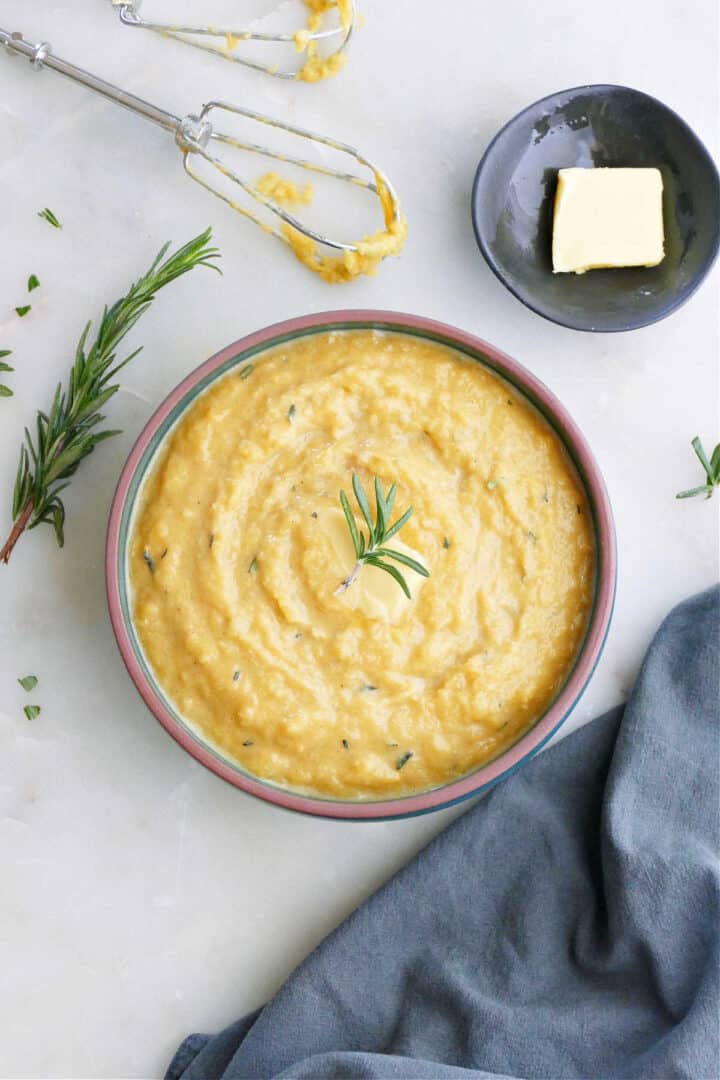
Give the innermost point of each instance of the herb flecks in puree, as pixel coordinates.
(450, 677)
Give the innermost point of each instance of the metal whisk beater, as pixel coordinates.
(196, 138)
(224, 40)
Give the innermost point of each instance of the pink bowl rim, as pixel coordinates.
(591, 649)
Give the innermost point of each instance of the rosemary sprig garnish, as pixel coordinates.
(66, 434)
(712, 471)
(370, 551)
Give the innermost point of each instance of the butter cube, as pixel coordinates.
(607, 218)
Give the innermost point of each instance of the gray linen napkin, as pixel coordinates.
(566, 926)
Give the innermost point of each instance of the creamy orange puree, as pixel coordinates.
(238, 548)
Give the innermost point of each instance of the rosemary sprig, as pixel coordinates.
(67, 433)
(370, 551)
(712, 471)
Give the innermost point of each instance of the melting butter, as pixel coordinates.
(373, 593)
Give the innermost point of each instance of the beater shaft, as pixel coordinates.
(194, 133)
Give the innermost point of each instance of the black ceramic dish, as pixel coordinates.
(514, 190)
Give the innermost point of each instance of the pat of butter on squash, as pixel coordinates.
(607, 218)
(374, 593)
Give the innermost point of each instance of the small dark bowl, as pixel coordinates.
(514, 190)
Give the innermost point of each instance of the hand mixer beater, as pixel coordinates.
(225, 41)
(197, 140)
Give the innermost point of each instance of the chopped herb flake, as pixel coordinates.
(403, 760)
(211, 540)
(545, 497)
(5, 391)
(446, 543)
(248, 742)
(314, 514)
(252, 568)
(236, 675)
(33, 283)
(22, 311)
(164, 553)
(491, 485)
(292, 413)
(367, 688)
(532, 536)
(346, 744)
(32, 711)
(48, 216)
(28, 682)
(393, 744)
(5, 352)
(247, 371)
(149, 561)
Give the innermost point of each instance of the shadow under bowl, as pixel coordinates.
(595, 126)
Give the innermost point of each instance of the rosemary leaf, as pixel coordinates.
(247, 371)
(23, 310)
(28, 682)
(392, 571)
(351, 523)
(252, 568)
(364, 505)
(5, 391)
(32, 711)
(403, 759)
(33, 283)
(49, 217)
(398, 525)
(406, 560)
(67, 433)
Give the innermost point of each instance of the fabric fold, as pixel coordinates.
(566, 926)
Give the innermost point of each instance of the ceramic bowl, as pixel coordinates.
(514, 190)
(144, 454)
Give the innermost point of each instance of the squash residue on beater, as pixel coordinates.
(371, 250)
(317, 67)
(284, 192)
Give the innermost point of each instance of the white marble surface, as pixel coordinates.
(141, 897)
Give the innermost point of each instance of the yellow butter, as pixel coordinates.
(607, 218)
(373, 593)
